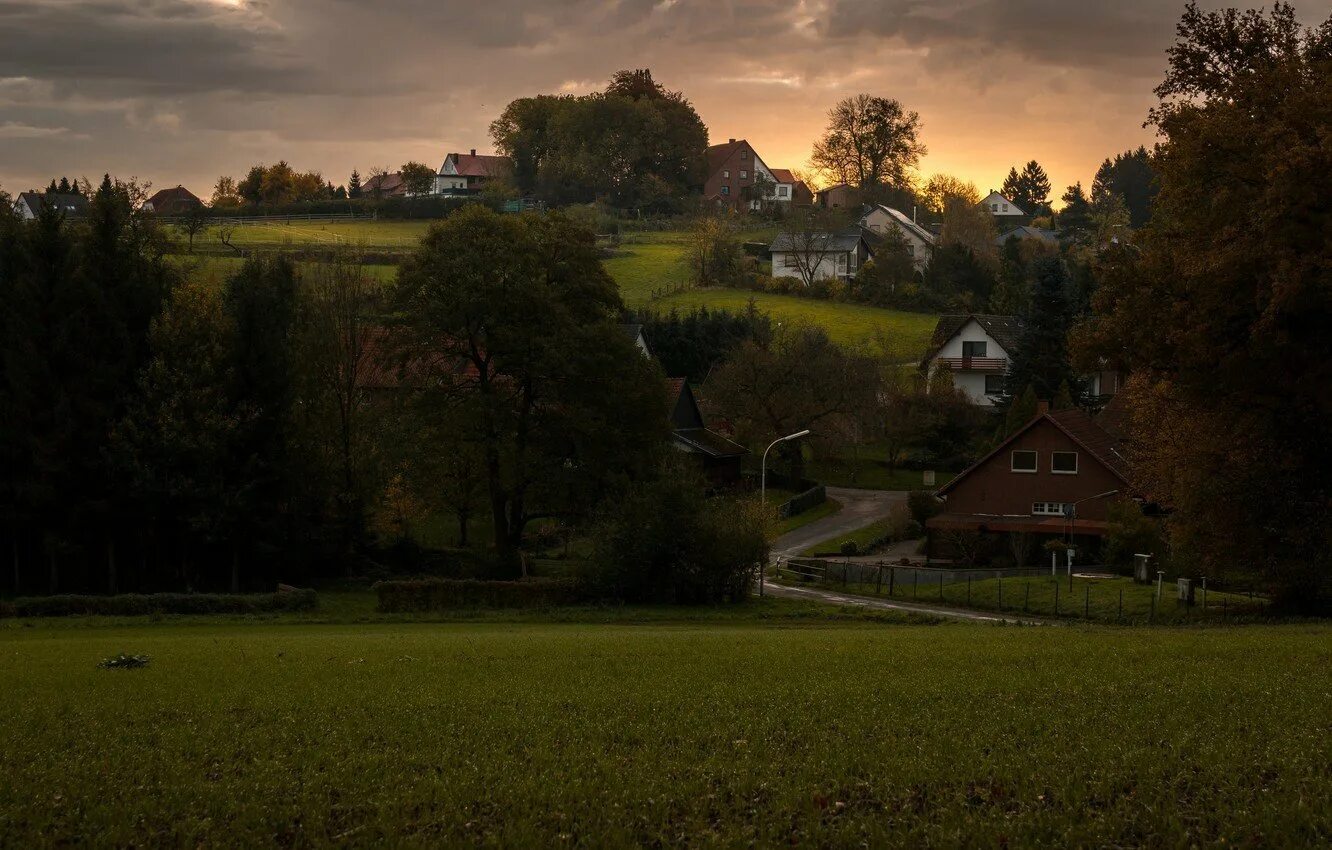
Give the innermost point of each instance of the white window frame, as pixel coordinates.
(1073, 471)
(1047, 508)
(1036, 461)
(726, 174)
(781, 191)
(744, 175)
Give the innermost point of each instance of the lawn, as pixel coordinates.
(367, 233)
(218, 267)
(537, 734)
(862, 537)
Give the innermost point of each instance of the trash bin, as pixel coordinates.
(1185, 586)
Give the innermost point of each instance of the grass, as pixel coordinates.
(536, 734)
(642, 268)
(862, 537)
(218, 268)
(368, 234)
(1097, 599)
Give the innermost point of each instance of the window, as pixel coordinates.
(727, 174)
(781, 191)
(1064, 463)
(994, 384)
(1024, 461)
(994, 208)
(1047, 509)
(790, 261)
(726, 190)
(973, 349)
(744, 175)
(1005, 207)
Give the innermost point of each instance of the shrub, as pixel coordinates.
(811, 498)
(136, 604)
(923, 505)
(666, 542)
(434, 594)
(849, 548)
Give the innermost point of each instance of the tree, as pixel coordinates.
(195, 221)
(65, 188)
(513, 320)
(1131, 177)
(714, 254)
(969, 225)
(869, 142)
(809, 239)
(354, 184)
(1030, 189)
(759, 193)
(418, 178)
(1075, 219)
(1041, 361)
(1221, 320)
(943, 189)
(801, 380)
(693, 344)
(225, 193)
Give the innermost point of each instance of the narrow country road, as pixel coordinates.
(859, 509)
(832, 598)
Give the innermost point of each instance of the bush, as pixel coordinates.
(849, 548)
(666, 542)
(923, 505)
(805, 501)
(136, 604)
(434, 594)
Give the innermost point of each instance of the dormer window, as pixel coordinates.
(974, 349)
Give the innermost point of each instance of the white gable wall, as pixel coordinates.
(972, 383)
(879, 221)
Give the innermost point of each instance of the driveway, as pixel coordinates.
(832, 598)
(859, 509)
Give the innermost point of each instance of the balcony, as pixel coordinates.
(974, 364)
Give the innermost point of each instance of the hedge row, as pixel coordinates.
(811, 498)
(136, 604)
(437, 594)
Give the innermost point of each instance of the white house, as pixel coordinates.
(826, 255)
(1006, 214)
(468, 171)
(976, 349)
(29, 205)
(920, 242)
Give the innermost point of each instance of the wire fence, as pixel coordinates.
(1084, 592)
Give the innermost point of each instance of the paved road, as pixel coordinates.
(859, 509)
(832, 598)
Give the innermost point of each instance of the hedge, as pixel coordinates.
(435, 594)
(811, 498)
(137, 604)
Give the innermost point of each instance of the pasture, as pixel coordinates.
(711, 732)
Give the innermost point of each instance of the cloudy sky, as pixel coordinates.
(181, 91)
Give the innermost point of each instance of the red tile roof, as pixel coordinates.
(718, 154)
(783, 175)
(480, 165)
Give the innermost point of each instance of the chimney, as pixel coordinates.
(473, 151)
(1042, 408)
(731, 142)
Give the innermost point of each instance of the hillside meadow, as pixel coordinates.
(531, 733)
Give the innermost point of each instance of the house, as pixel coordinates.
(920, 242)
(29, 205)
(1023, 232)
(385, 186)
(1055, 477)
(717, 457)
(790, 189)
(172, 202)
(1007, 214)
(635, 333)
(838, 196)
(824, 255)
(470, 172)
(976, 349)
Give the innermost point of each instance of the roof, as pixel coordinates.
(1004, 330)
(1024, 232)
(479, 165)
(718, 154)
(173, 199)
(71, 203)
(783, 175)
(1079, 427)
(632, 331)
(996, 197)
(384, 183)
(904, 221)
(846, 240)
(709, 443)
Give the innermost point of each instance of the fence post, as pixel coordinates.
(1086, 602)
(1120, 614)
(940, 586)
(846, 573)
(1151, 613)
(1000, 579)
(1204, 579)
(968, 591)
(1056, 584)
(915, 583)
(892, 580)
(878, 583)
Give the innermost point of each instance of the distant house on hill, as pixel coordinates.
(1048, 237)
(1007, 215)
(732, 168)
(1056, 476)
(635, 333)
(840, 196)
(172, 202)
(824, 255)
(384, 186)
(470, 172)
(29, 205)
(920, 242)
(717, 457)
(790, 188)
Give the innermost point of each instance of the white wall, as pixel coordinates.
(879, 221)
(972, 383)
(828, 266)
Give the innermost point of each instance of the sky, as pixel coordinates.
(182, 91)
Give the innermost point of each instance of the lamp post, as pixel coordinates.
(763, 481)
(1070, 516)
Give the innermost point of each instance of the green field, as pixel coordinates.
(538, 734)
(366, 234)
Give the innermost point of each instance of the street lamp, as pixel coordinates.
(1070, 516)
(763, 484)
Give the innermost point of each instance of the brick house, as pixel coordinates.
(731, 171)
(1055, 477)
(173, 202)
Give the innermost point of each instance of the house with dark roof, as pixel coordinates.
(1007, 214)
(172, 202)
(470, 172)
(976, 348)
(29, 205)
(791, 189)
(1055, 477)
(382, 186)
(882, 220)
(731, 171)
(716, 456)
(1022, 233)
(824, 255)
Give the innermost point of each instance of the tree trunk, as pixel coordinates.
(111, 567)
(463, 516)
(235, 570)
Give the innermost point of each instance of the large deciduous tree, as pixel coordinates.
(511, 324)
(870, 142)
(1222, 319)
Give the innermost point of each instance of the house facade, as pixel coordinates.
(470, 172)
(1057, 476)
(838, 196)
(1007, 215)
(976, 349)
(1023, 233)
(920, 242)
(29, 205)
(173, 202)
(732, 168)
(826, 255)
(790, 189)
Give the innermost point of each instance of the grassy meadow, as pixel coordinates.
(715, 732)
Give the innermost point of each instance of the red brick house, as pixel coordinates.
(731, 170)
(1056, 476)
(173, 202)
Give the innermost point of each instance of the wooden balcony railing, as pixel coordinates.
(974, 364)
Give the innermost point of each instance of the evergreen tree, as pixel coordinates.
(53, 188)
(1021, 411)
(1041, 361)
(1131, 176)
(1075, 219)
(354, 185)
(65, 188)
(1030, 189)
(1011, 295)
